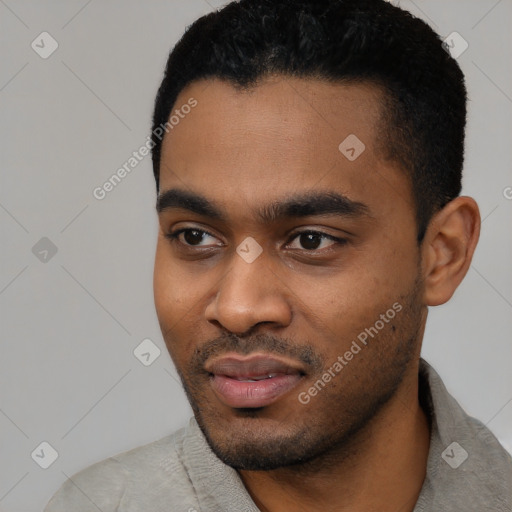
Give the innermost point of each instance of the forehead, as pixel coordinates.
(282, 135)
(284, 110)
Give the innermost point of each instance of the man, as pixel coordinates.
(308, 159)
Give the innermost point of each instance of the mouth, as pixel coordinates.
(252, 381)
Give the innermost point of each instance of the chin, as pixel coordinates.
(252, 443)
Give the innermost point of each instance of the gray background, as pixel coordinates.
(68, 375)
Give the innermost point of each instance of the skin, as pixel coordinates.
(362, 442)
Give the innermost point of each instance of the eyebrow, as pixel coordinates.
(295, 206)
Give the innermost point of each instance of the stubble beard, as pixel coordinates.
(305, 438)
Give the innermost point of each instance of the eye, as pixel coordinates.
(314, 240)
(192, 237)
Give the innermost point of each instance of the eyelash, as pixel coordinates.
(173, 237)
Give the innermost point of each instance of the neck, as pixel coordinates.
(382, 469)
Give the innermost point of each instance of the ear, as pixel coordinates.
(448, 247)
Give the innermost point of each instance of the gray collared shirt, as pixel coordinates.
(467, 470)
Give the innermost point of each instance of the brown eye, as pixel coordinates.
(193, 236)
(310, 241)
(313, 240)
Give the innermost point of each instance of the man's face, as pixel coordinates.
(296, 253)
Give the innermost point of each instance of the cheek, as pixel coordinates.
(170, 306)
(390, 264)
(179, 295)
(168, 289)
(344, 304)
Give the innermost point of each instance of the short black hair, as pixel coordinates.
(339, 41)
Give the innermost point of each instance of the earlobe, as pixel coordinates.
(448, 248)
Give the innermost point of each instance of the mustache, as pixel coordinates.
(257, 343)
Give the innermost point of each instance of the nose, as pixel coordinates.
(249, 294)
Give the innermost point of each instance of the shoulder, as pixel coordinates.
(467, 466)
(148, 476)
(99, 486)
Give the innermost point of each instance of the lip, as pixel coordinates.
(240, 381)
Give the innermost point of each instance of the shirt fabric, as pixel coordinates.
(180, 473)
